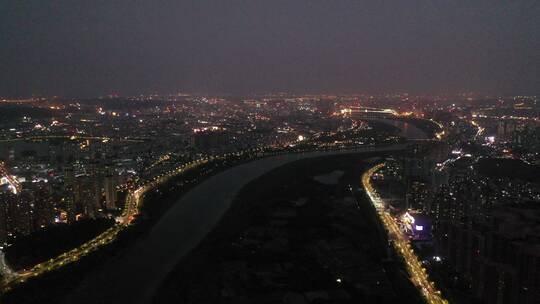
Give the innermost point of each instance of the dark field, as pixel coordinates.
(290, 238)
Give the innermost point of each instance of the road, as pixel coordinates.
(6, 270)
(71, 137)
(417, 273)
(12, 278)
(16, 186)
(135, 277)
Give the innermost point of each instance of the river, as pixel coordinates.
(135, 277)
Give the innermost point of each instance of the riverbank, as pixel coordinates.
(289, 236)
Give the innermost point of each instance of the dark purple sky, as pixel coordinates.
(90, 48)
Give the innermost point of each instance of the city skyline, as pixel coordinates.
(372, 194)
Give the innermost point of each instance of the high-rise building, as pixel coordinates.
(506, 129)
(419, 196)
(42, 205)
(111, 195)
(325, 105)
(69, 193)
(5, 196)
(86, 199)
(210, 139)
(498, 251)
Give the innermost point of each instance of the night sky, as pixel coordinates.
(90, 48)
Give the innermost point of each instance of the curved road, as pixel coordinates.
(416, 270)
(135, 277)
